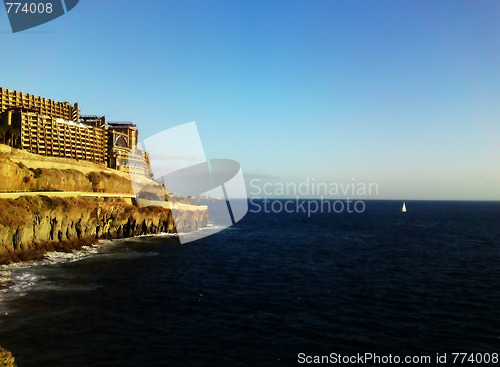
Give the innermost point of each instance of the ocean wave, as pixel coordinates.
(213, 226)
(161, 234)
(209, 227)
(15, 282)
(18, 282)
(17, 279)
(64, 257)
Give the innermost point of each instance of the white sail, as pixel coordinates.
(404, 208)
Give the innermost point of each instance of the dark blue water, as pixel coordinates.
(271, 287)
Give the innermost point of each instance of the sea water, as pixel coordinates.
(272, 288)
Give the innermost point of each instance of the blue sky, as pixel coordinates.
(401, 93)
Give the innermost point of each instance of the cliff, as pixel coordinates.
(23, 171)
(17, 177)
(6, 358)
(31, 226)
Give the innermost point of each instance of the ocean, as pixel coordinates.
(276, 289)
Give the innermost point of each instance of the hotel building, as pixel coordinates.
(123, 153)
(46, 127)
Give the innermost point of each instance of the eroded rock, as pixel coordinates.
(31, 226)
(6, 358)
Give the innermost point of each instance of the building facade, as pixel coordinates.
(123, 152)
(11, 99)
(46, 127)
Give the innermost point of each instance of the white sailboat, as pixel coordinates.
(404, 208)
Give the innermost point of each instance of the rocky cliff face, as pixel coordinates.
(106, 182)
(31, 226)
(6, 358)
(17, 177)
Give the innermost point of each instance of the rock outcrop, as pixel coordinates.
(31, 226)
(17, 177)
(106, 182)
(6, 358)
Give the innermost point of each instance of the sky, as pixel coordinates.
(404, 94)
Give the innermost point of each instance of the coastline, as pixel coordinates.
(61, 204)
(6, 358)
(32, 226)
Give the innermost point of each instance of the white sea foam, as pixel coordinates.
(15, 282)
(161, 234)
(212, 226)
(203, 232)
(63, 257)
(19, 282)
(18, 278)
(208, 227)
